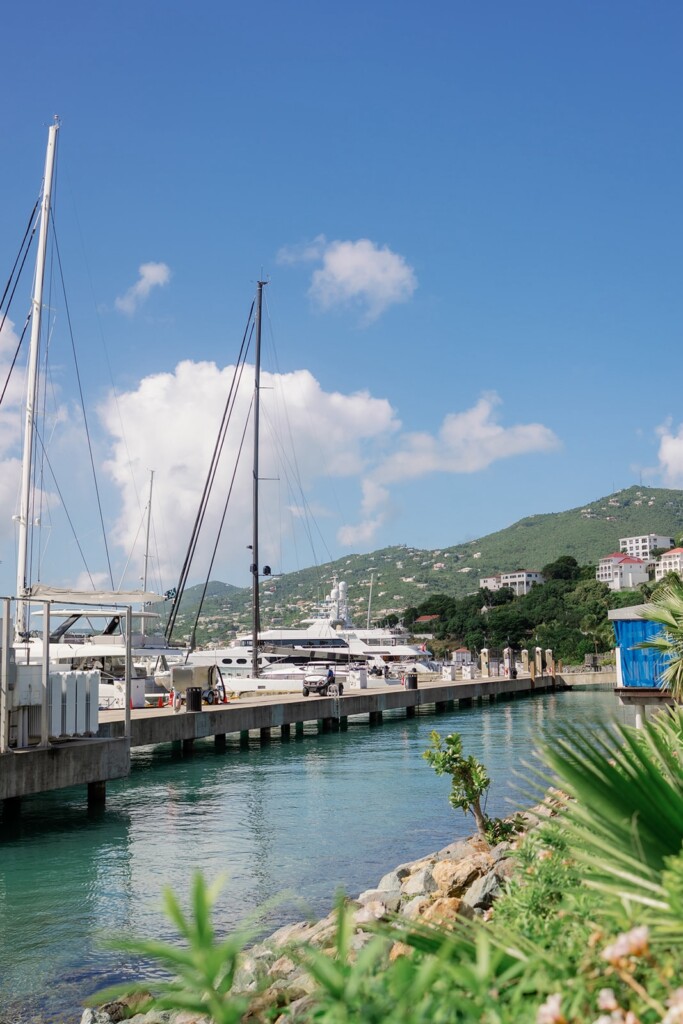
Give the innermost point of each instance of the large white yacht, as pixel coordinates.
(329, 637)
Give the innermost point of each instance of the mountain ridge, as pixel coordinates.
(389, 580)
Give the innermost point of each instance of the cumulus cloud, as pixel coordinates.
(467, 442)
(373, 510)
(174, 420)
(359, 274)
(152, 275)
(670, 454)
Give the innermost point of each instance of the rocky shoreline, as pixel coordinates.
(461, 880)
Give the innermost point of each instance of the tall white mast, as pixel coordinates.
(255, 609)
(32, 381)
(149, 523)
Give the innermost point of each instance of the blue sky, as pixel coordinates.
(470, 217)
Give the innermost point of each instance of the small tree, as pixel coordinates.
(469, 778)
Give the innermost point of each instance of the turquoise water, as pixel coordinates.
(304, 818)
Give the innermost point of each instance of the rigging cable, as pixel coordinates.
(220, 528)
(85, 418)
(14, 288)
(66, 511)
(213, 466)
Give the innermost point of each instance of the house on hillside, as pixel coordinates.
(520, 581)
(670, 561)
(424, 620)
(643, 546)
(622, 572)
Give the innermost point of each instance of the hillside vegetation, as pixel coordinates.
(404, 577)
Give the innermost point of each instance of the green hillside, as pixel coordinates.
(404, 576)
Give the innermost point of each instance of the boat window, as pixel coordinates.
(227, 661)
(241, 661)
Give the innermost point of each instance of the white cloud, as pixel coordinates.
(152, 275)
(304, 252)
(360, 274)
(374, 503)
(171, 423)
(671, 454)
(467, 442)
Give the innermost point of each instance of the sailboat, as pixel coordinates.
(104, 650)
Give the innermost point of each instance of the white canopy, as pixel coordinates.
(117, 598)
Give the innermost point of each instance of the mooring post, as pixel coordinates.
(285, 731)
(299, 729)
(325, 725)
(97, 794)
(11, 808)
(244, 738)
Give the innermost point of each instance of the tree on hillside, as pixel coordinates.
(564, 568)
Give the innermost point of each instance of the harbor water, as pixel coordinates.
(290, 822)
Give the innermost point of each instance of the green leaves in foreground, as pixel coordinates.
(626, 819)
(202, 970)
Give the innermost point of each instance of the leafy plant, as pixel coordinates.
(667, 609)
(201, 972)
(469, 778)
(498, 830)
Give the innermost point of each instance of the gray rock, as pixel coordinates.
(500, 851)
(455, 851)
(390, 898)
(412, 908)
(482, 893)
(95, 1017)
(422, 881)
(392, 880)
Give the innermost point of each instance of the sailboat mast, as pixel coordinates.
(149, 521)
(32, 382)
(256, 612)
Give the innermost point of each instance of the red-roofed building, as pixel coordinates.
(426, 618)
(622, 572)
(670, 561)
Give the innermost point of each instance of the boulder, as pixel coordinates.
(373, 910)
(482, 893)
(421, 881)
(455, 851)
(390, 898)
(453, 877)
(444, 910)
(412, 908)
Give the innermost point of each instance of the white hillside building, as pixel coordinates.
(622, 572)
(521, 581)
(642, 547)
(670, 561)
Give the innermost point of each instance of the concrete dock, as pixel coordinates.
(92, 762)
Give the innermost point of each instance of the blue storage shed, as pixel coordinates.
(636, 667)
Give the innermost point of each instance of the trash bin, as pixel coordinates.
(411, 680)
(193, 698)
